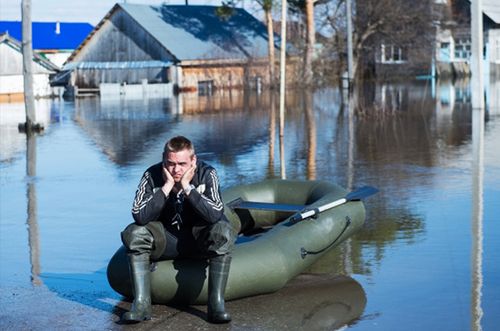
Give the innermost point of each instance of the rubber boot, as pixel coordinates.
(218, 273)
(141, 307)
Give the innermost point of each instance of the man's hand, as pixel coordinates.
(187, 177)
(169, 181)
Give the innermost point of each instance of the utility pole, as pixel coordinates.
(477, 54)
(27, 48)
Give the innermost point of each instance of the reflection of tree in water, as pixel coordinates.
(398, 125)
(124, 130)
(384, 226)
(128, 130)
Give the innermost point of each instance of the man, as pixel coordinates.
(178, 213)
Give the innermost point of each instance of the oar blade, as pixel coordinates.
(361, 193)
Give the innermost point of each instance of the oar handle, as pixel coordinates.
(320, 209)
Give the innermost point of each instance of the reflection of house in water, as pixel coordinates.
(192, 48)
(11, 114)
(408, 126)
(452, 95)
(128, 131)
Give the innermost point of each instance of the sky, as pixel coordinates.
(90, 11)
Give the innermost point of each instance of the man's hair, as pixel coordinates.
(177, 144)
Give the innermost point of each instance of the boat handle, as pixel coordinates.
(304, 252)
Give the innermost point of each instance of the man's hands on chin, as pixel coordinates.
(186, 179)
(169, 182)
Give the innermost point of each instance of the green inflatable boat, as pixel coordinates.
(284, 226)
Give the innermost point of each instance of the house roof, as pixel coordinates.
(197, 32)
(5, 38)
(194, 32)
(46, 35)
(491, 8)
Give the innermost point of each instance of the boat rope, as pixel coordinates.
(304, 252)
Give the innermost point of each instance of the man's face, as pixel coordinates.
(178, 163)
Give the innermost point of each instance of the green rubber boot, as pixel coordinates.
(141, 307)
(218, 272)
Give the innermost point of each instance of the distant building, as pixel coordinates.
(447, 53)
(453, 39)
(191, 48)
(11, 71)
(52, 40)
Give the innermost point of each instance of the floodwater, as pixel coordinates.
(427, 258)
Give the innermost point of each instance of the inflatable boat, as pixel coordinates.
(284, 226)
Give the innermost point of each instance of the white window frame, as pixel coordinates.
(396, 54)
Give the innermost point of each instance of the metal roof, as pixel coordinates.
(196, 32)
(491, 8)
(47, 35)
(117, 65)
(15, 44)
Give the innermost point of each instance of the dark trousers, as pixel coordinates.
(197, 241)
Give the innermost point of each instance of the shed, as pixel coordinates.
(11, 71)
(190, 46)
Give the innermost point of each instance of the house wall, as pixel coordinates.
(92, 78)
(12, 87)
(11, 76)
(58, 58)
(252, 75)
(121, 39)
(493, 41)
(12, 62)
(418, 62)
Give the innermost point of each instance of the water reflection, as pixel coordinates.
(32, 221)
(477, 217)
(312, 303)
(128, 132)
(412, 142)
(311, 134)
(11, 114)
(272, 135)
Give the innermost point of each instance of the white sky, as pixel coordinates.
(91, 11)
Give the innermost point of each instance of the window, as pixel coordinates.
(205, 87)
(393, 54)
(463, 49)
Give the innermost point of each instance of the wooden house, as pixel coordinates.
(191, 48)
(11, 71)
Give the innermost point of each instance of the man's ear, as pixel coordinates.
(194, 158)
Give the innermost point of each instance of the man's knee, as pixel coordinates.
(137, 239)
(149, 238)
(220, 238)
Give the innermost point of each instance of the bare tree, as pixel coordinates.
(405, 23)
(267, 5)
